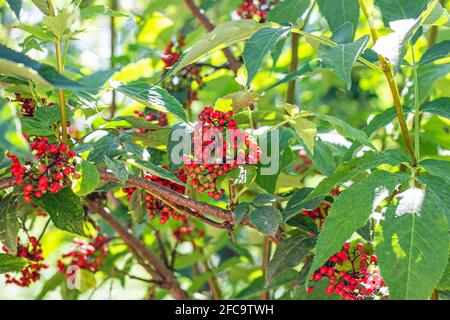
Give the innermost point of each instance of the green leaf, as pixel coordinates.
(118, 168)
(427, 75)
(339, 12)
(51, 284)
(288, 11)
(60, 23)
(341, 57)
(440, 107)
(65, 209)
(400, 9)
(155, 170)
(444, 283)
(346, 130)
(350, 211)
(16, 64)
(436, 52)
(42, 5)
(92, 11)
(266, 220)
(90, 178)
(136, 206)
(258, 46)
(296, 203)
(242, 99)
(221, 37)
(33, 128)
(412, 247)
(348, 170)
(10, 263)
(241, 212)
(264, 199)
(87, 280)
(439, 190)
(307, 131)
(290, 252)
(438, 168)
(11, 137)
(153, 97)
(16, 7)
(9, 223)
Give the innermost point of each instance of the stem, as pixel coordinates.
(112, 27)
(60, 67)
(290, 95)
(416, 107)
(387, 70)
(212, 281)
(234, 64)
(267, 248)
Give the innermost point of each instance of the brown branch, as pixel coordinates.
(209, 26)
(267, 248)
(7, 183)
(163, 273)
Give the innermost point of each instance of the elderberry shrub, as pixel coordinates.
(52, 167)
(86, 255)
(155, 207)
(187, 79)
(256, 9)
(352, 274)
(205, 169)
(32, 252)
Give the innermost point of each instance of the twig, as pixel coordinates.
(209, 26)
(112, 27)
(161, 247)
(267, 248)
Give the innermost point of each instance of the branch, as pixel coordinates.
(209, 26)
(162, 273)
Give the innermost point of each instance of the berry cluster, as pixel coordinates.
(155, 117)
(28, 106)
(187, 233)
(321, 212)
(86, 255)
(305, 163)
(187, 76)
(256, 9)
(153, 205)
(53, 165)
(32, 272)
(351, 274)
(205, 168)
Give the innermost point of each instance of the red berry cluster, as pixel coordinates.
(32, 272)
(153, 205)
(351, 274)
(305, 163)
(204, 175)
(86, 255)
(321, 212)
(28, 106)
(53, 164)
(158, 118)
(256, 9)
(186, 76)
(188, 233)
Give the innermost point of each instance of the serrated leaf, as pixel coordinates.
(242, 99)
(439, 190)
(350, 211)
(444, 283)
(427, 75)
(341, 57)
(289, 254)
(438, 51)
(153, 97)
(339, 12)
(258, 46)
(118, 168)
(33, 128)
(155, 170)
(65, 209)
(9, 223)
(60, 23)
(265, 198)
(346, 130)
(11, 137)
(42, 5)
(92, 11)
(439, 107)
(296, 203)
(10, 263)
(221, 37)
(241, 212)
(438, 168)
(412, 246)
(266, 220)
(307, 131)
(16, 64)
(288, 11)
(400, 9)
(90, 178)
(16, 7)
